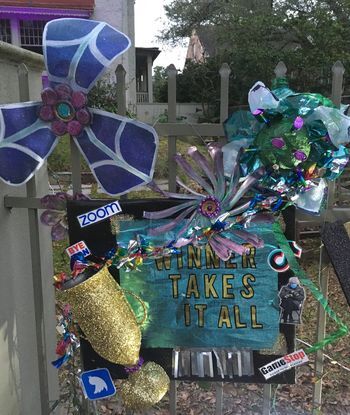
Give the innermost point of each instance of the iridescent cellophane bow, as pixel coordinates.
(120, 152)
(214, 215)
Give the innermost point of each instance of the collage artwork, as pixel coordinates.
(200, 275)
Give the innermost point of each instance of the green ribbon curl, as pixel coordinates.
(343, 330)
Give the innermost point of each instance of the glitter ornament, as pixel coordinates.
(145, 387)
(209, 207)
(106, 318)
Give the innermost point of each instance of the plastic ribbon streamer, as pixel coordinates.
(304, 279)
(69, 342)
(121, 152)
(296, 137)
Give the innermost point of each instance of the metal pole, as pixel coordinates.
(224, 72)
(172, 72)
(33, 220)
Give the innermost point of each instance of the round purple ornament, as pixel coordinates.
(78, 99)
(49, 96)
(74, 128)
(300, 155)
(278, 142)
(58, 127)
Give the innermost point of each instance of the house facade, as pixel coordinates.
(22, 23)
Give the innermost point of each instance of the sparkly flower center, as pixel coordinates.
(65, 109)
(209, 207)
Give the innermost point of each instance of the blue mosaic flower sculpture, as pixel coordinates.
(120, 152)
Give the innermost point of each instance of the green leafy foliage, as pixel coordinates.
(253, 36)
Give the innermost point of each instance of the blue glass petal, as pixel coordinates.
(91, 153)
(78, 51)
(145, 141)
(59, 59)
(25, 142)
(16, 117)
(121, 152)
(16, 166)
(114, 179)
(57, 29)
(87, 69)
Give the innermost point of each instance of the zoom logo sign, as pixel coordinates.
(99, 214)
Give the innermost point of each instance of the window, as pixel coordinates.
(32, 34)
(5, 30)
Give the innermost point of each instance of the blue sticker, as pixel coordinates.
(97, 384)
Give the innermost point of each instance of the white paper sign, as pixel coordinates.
(284, 363)
(99, 214)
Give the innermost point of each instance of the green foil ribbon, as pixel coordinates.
(343, 330)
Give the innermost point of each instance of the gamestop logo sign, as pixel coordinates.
(99, 214)
(284, 363)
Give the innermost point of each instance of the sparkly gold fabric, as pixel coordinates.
(145, 388)
(106, 318)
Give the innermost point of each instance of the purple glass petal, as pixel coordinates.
(171, 225)
(233, 246)
(168, 212)
(51, 217)
(246, 185)
(218, 157)
(57, 201)
(249, 237)
(203, 164)
(58, 232)
(152, 185)
(192, 173)
(80, 196)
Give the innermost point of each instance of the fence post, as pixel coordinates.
(36, 267)
(280, 70)
(224, 72)
(172, 72)
(337, 90)
(121, 90)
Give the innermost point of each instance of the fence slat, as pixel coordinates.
(172, 397)
(121, 90)
(33, 221)
(75, 166)
(178, 129)
(280, 70)
(172, 72)
(224, 72)
(219, 394)
(267, 399)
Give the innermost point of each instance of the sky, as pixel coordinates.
(149, 20)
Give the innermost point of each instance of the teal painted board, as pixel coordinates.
(194, 299)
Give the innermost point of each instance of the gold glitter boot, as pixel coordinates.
(106, 318)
